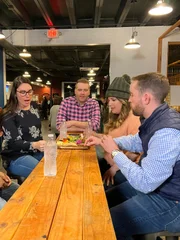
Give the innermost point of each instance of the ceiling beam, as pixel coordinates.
(4, 20)
(145, 20)
(122, 12)
(98, 11)
(19, 10)
(71, 11)
(50, 54)
(45, 11)
(146, 16)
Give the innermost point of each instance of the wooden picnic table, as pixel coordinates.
(70, 206)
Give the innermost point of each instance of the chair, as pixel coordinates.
(153, 236)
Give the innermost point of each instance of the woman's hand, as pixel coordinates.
(92, 141)
(39, 145)
(108, 177)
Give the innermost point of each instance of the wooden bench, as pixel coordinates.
(71, 205)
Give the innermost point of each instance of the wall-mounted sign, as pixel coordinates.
(53, 33)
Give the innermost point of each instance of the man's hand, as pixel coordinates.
(108, 176)
(92, 141)
(108, 143)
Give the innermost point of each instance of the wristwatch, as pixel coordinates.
(114, 152)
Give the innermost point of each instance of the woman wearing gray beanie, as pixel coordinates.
(121, 122)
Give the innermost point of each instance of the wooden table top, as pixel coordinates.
(70, 206)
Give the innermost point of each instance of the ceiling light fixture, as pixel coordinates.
(91, 74)
(48, 83)
(2, 36)
(24, 53)
(161, 8)
(132, 44)
(38, 79)
(26, 74)
(91, 79)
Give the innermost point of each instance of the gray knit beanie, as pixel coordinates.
(119, 87)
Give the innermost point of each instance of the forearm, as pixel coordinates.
(76, 124)
(131, 143)
(75, 129)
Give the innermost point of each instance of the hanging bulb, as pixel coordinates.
(24, 53)
(161, 8)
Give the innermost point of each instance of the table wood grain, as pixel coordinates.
(70, 206)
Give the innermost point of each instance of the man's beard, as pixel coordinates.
(138, 111)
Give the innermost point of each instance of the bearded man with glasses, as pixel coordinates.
(22, 146)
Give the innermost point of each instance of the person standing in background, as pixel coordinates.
(44, 107)
(22, 146)
(79, 109)
(53, 115)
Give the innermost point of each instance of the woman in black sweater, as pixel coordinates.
(22, 146)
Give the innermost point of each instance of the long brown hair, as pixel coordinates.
(12, 103)
(116, 120)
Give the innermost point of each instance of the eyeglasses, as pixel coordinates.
(24, 93)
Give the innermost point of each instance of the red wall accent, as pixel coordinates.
(40, 91)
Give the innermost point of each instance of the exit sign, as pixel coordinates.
(52, 33)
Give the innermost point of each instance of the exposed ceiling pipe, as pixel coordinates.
(45, 12)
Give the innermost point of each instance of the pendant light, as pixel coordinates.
(38, 79)
(132, 44)
(161, 8)
(91, 73)
(26, 74)
(48, 83)
(24, 53)
(1, 35)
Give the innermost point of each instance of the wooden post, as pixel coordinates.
(159, 60)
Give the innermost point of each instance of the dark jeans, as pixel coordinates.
(6, 193)
(136, 213)
(118, 178)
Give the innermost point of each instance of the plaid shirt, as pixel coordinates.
(70, 109)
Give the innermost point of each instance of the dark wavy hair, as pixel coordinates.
(12, 103)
